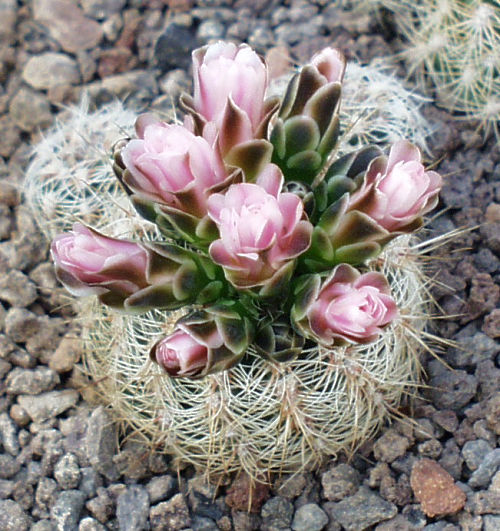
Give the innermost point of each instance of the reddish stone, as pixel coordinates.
(435, 489)
(246, 495)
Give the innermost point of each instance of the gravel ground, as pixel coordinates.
(59, 464)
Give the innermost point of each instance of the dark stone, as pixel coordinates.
(132, 509)
(390, 446)
(276, 514)
(362, 510)
(450, 389)
(173, 48)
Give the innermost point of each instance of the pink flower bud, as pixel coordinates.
(169, 164)
(88, 262)
(351, 307)
(260, 229)
(397, 191)
(224, 71)
(330, 63)
(180, 354)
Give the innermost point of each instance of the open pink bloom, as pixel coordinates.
(397, 191)
(260, 229)
(88, 262)
(330, 63)
(351, 307)
(180, 354)
(224, 71)
(171, 165)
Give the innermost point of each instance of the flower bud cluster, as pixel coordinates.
(268, 236)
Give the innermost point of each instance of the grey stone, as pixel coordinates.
(202, 523)
(6, 488)
(17, 289)
(491, 522)
(30, 110)
(43, 525)
(101, 443)
(474, 452)
(276, 514)
(31, 381)
(89, 481)
(451, 460)
(132, 509)
(132, 460)
(290, 486)
(12, 517)
(67, 472)
(21, 324)
(309, 517)
(210, 29)
(9, 467)
(485, 471)
(45, 494)
(5, 367)
(362, 510)
(102, 9)
(340, 481)
(390, 446)
(8, 434)
(47, 405)
(48, 70)
(67, 24)
(89, 524)
(452, 389)
(66, 510)
(201, 494)
(172, 514)
(244, 521)
(102, 506)
(484, 502)
(472, 349)
(161, 488)
(8, 15)
(66, 354)
(173, 48)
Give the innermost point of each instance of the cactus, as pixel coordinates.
(453, 46)
(262, 415)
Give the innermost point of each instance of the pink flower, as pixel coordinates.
(330, 63)
(351, 307)
(168, 164)
(88, 262)
(223, 72)
(180, 354)
(260, 229)
(397, 191)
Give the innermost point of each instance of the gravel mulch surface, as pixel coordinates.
(59, 465)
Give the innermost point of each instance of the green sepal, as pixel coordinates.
(329, 138)
(321, 247)
(357, 253)
(144, 207)
(300, 89)
(186, 282)
(305, 164)
(252, 157)
(113, 300)
(305, 293)
(337, 186)
(332, 216)
(210, 293)
(301, 134)
(161, 297)
(323, 105)
(357, 227)
(278, 140)
(277, 285)
(278, 341)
